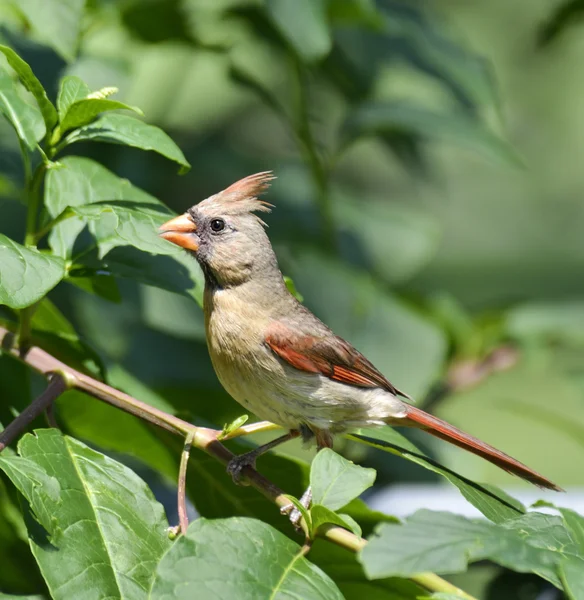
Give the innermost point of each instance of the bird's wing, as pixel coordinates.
(329, 355)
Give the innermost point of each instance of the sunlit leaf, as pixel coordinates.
(494, 503)
(238, 558)
(104, 531)
(335, 481)
(445, 543)
(122, 129)
(27, 274)
(321, 515)
(32, 84)
(25, 118)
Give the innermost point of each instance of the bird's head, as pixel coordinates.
(225, 235)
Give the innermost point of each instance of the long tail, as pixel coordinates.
(443, 430)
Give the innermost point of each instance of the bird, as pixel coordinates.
(274, 356)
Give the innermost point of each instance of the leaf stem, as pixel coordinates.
(183, 518)
(33, 200)
(202, 438)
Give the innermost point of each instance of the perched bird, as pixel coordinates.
(274, 356)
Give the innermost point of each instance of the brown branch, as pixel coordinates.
(203, 438)
(57, 385)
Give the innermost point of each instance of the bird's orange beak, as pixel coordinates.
(181, 231)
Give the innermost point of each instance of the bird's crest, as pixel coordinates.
(241, 197)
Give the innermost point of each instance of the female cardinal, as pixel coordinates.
(273, 355)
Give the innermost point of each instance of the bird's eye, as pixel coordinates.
(217, 225)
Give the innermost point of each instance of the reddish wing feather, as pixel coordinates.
(330, 356)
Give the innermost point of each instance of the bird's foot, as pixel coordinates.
(237, 464)
(293, 513)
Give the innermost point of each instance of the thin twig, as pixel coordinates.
(57, 385)
(203, 438)
(183, 518)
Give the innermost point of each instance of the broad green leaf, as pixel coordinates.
(125, 223)
(238, 558)
(77, 181)
(104, 534)
(336, 481)
(345, 570)
(321, 515)
(445, 543)
(495, 504)
(460, 128)
(572, 576)
(303, 23)
(27, 274)
(122, 129)
(19, 572)
(71, 90)
(33, 85)
(25, 118)
(112, 429)
(77, 106)
(110, 247)
(56, 22)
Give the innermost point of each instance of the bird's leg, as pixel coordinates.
(323, 440)
(238, 463)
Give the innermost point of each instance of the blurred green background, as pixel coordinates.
(428, 204)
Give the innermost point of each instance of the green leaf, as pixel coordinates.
(292, 288)
(77, 181)
(495, 504)
(233, 426)
(397, 116)
(56, 23)
(25, 118)
(112, 429)
(445, 543)
(33, 85)
(335, 481)
(104, 534)
(118, 230)
(572, 576)
(321, 515)
(345, 570)
(27, 274)
(303, 23)
(238, 558)
(78, 106)
(122, 129)
(71, 90)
